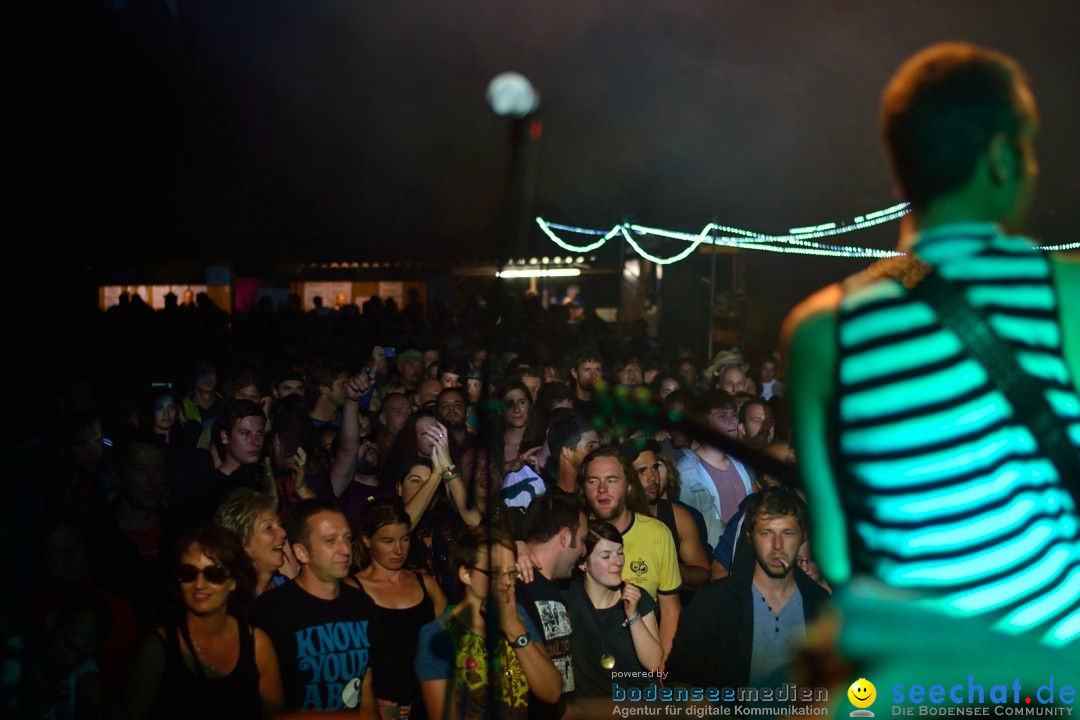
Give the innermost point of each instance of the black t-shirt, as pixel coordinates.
(323, 646)
(543, 601)
(586, 408)
(219, 486)
(590, 678)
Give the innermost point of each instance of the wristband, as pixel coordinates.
(449, 471)
(628, 622)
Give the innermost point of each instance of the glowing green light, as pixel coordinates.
(1064, 632)
(974, 492)
(1046, 605)
(956, 570)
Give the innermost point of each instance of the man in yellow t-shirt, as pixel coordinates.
(611, 488)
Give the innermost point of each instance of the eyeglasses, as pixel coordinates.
(512, 574)
(802, 560)
(214, 574)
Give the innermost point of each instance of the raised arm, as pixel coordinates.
(643, 631)
(441, 463)
(418, 504)
(809, 338)
(344, 467)
(544, 679)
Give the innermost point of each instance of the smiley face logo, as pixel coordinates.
(862, 694)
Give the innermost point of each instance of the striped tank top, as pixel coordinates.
(946, 493)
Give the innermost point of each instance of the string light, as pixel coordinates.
(573, 248)
(1055, 248)
(703, 237)
(798, 241)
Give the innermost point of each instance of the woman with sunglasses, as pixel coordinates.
(614, 622)
(453, 664)
(404, 601)
(206, 660)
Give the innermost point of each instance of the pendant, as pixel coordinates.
(607, 661)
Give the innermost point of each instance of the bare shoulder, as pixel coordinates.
(1066, 258)
(152, 646)
(686, 527)
(148, 660)
(1066, 270)
(433, 590)
(817, 308)
(809, 332)
(261, 638)
(682, 517)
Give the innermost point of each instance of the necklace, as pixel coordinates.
(201, 658)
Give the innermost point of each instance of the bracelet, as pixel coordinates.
(628, 622)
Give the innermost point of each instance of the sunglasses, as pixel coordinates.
(214, 574)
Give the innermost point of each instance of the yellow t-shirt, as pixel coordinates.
(651, 561)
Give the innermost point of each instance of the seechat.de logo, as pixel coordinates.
(862, 694)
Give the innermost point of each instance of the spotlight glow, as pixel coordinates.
(553, 272)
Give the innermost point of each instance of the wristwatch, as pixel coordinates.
(522, 641)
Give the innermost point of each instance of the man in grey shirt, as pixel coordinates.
(759, 612)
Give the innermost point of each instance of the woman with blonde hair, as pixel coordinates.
(253, 517)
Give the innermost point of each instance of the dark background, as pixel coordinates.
(258, 132)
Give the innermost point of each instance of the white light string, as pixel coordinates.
(798, 241)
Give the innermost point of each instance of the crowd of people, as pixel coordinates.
(339, 536)
(447, 527)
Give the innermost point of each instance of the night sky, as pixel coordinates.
(267, 131)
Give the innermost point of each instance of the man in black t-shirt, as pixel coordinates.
(586, 371)
(570, 438)
(553, 530)
(319, 627)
